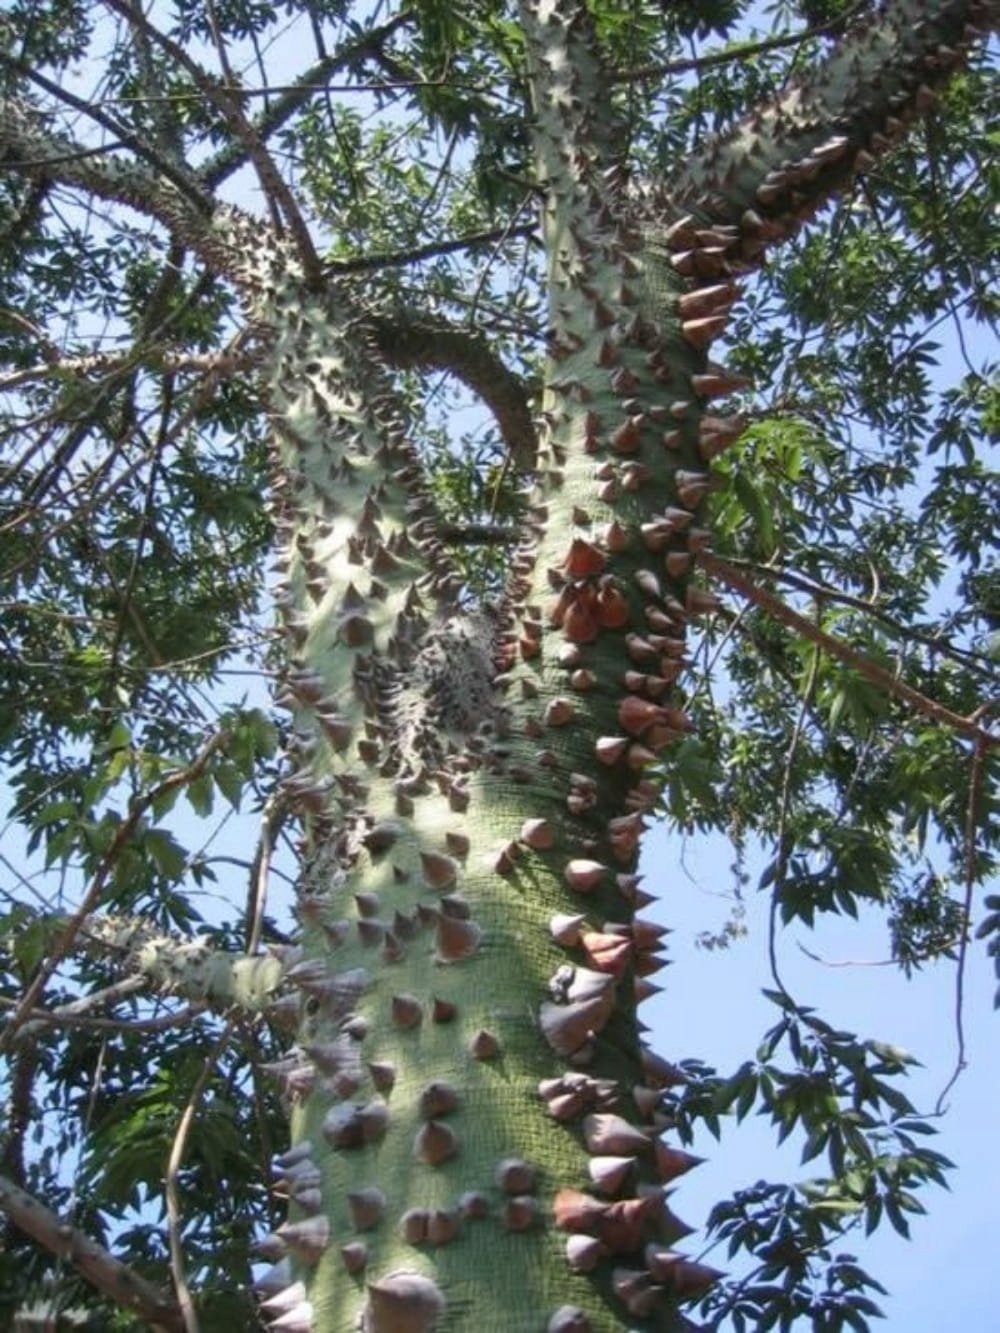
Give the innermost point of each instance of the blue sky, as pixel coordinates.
(712, 1009)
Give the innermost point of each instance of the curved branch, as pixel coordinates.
(101, 1269)
(434, 344)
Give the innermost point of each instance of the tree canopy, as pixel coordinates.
(843, 701)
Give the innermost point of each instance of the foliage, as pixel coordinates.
(134, 460)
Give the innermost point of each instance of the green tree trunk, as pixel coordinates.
(476, 1140)
(473, 1092)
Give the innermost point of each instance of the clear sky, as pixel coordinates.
(712, 1009)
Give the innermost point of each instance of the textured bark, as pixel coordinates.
(475, 1125)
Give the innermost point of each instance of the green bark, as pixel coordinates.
(475, 1130)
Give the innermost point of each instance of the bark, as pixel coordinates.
(475, 1120)
(117, 1282)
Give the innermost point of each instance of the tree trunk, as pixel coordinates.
(475, 1124)
(473, 1090)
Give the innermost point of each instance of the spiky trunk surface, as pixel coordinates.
(461, 1043)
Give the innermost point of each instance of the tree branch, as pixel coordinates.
(314, 80)
(776, 168)
(966, 726)
(738, 51)
(400, 258)
(573, 118)
(967, 660)
(60, 1018)
(433, 343)
(162, 194)
(154, 356)
(192, 968)
(92, 896)
(274, 186)
(160, 166)
(82, 1007)
(109, 1275)
(172, 1177)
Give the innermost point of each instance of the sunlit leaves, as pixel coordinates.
(838, 1092)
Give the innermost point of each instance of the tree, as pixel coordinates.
(483, 651)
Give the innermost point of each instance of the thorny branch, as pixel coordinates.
(273, 184)
(68, 151)
(156, 356)
(433, 343)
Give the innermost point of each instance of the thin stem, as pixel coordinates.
(172, 1196)
(741, 51)
(967, 726)
(784, 847)
(969, 875)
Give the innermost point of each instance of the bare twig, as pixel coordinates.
(969, 876)
(785, 846)
(400, 258)
(172, 1196)
(925, 957)
(739, 52)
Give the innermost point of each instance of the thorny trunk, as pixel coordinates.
(476, 1130)
(475, 1118)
